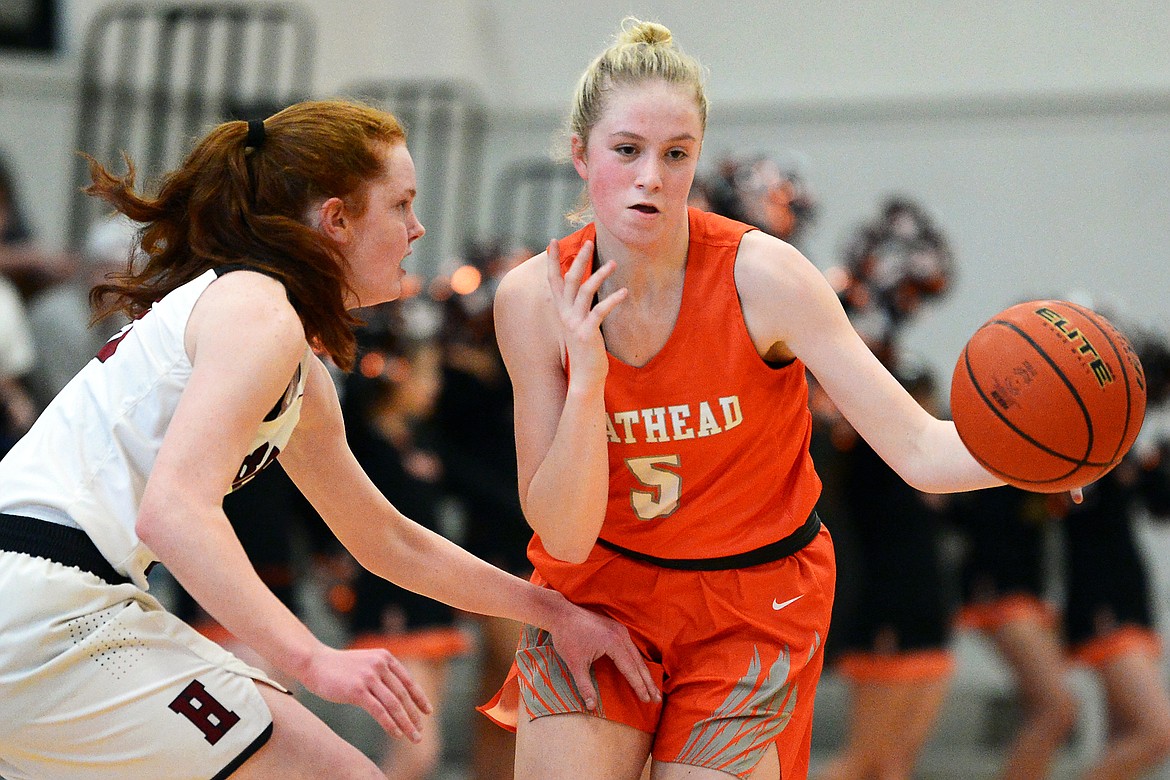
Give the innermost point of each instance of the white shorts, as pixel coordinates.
(100, 682)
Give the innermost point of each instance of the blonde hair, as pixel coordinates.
(641, 52)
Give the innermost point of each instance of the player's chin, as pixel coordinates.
(390, 285)
(382, 293)
(392, 293)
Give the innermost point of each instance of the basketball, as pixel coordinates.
(1048, 395)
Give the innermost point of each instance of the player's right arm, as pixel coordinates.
(561, 447)
(245, 342)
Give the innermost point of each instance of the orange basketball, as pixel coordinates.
(1048, 395)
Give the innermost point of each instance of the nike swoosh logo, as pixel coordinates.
(782, 604)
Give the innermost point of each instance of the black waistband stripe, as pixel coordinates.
(55, 542)
(774, 551)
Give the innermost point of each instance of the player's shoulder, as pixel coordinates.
(250, 304)
(525, 315)
(764, 261)
(242, 277)
(527, 281)
(251, 289)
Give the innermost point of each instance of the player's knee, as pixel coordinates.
(893, 769)
(1157, 741)
(367, 771)
(414, 759)
(1058, 714)
(303, 746)
(898, 766)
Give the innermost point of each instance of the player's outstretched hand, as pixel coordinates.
(374, 680)
(581, 637)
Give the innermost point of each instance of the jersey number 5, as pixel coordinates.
(664, 486)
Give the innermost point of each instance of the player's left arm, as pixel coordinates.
(792, 311)
(382, 539)
(392, 546)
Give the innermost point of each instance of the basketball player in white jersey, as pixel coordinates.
(256, 248)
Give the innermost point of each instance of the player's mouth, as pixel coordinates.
(645, 208)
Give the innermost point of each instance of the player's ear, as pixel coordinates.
(577, 150)
(333, 220)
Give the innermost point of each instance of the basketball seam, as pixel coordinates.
(985, 463)
(1011, 426)
(1121, 362)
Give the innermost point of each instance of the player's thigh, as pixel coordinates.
(1135, 692)
(574, 745)
(1033, 650)
(302, 746)
(768, 768)
(109, 685)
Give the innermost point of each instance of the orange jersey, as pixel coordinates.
(708, 444)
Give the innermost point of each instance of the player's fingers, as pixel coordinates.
(633, 667)
(388, 711)
(589, 287)
(402, 708)
(1077, 495)
(398, 679)
(584, 684)
(577, 269)
(638, 675)
(391, 699)
(605, 306)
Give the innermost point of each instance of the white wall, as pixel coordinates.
(1037, 134)
(526, 54)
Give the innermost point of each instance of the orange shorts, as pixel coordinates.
(1102, 650)
(921, 666)
(738, 654)
(991, 616)
(433, 643)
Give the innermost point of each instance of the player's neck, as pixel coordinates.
(649, 267)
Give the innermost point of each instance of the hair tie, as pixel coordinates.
(255, 137)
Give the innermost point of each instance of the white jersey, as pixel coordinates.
(86, 460)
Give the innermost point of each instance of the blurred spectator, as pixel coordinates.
(894, 649)
(760, 192)
(1153, 349)
(892, 266)
(474, 417)
(23, 269)
(1109, 618)
(27, 265)
(14, 229)
(389, 423)
(61, 315)
(891, 631)
(1005, 599)
(1108, 622)
(17, 357)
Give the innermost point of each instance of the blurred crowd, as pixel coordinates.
(428, 412)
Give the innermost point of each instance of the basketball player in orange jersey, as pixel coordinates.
(258, 246)
(658, 358)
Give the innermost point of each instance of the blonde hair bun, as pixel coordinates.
(637, 31)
